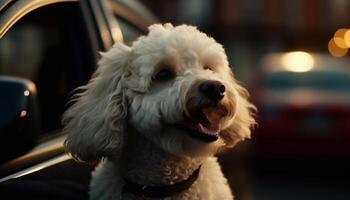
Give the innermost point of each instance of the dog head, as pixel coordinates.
(174, 86)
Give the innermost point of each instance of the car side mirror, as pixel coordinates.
(19, 117)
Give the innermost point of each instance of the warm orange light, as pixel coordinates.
(347, 38)
(31, 87)
(340, 42)
(335, 50)
(339, 38)
(297, 61)
(23, 113)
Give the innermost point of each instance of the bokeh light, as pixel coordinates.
(335, 50)
(26, 93)
(297, 61)
(339, 36)
(347, 38)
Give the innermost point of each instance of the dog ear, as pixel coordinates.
(160, 28)
(243, 121)
(95, 123)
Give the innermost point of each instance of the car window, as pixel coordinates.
(51, 47)
(130, 32)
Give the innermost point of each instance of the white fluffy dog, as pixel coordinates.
(157, 112)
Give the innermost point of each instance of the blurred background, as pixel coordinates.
(293, 57)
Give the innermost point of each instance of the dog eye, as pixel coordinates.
(163, 75)
(206, 67)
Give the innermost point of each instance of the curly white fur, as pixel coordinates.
(126, 119)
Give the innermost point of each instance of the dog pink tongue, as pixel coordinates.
(212, 129)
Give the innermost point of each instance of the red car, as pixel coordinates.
(304, 107)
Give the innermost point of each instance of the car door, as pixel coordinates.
(55, 44)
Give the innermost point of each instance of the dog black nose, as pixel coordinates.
(213, 90)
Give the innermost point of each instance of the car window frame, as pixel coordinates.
(12, 14)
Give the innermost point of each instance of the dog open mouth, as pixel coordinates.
(204, 124)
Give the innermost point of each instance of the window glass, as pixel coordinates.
(50, 46)
(130, 32)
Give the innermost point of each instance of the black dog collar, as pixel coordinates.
(160, 191)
